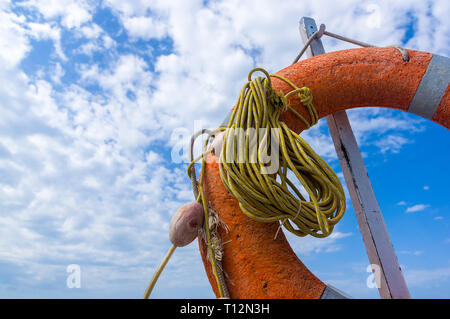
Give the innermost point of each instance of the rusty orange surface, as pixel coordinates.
(257, 265)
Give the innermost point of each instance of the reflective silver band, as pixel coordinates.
(431, 88)
(331, 292)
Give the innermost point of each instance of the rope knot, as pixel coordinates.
(305, 95)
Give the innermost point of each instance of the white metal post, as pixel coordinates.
(371, 223)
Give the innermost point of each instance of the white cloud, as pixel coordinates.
(91, 31)
(14, 45)
(426, 188)
(132, 7)
(392, 143)
(96, 45)
(108, 42)
(417, 208)
(401, 203)
(426, 278)
(308, 245)
(144, 27)
(383, 128)
(57, 73)
(69, 196)
(73, 14)
(141, 19)
(89, 48)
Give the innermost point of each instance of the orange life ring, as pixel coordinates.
(257, 265)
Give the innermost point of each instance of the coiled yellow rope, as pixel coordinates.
(260, 195)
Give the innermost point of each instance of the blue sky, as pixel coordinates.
(94, 98)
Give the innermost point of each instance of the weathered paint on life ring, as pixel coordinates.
(255, 264)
